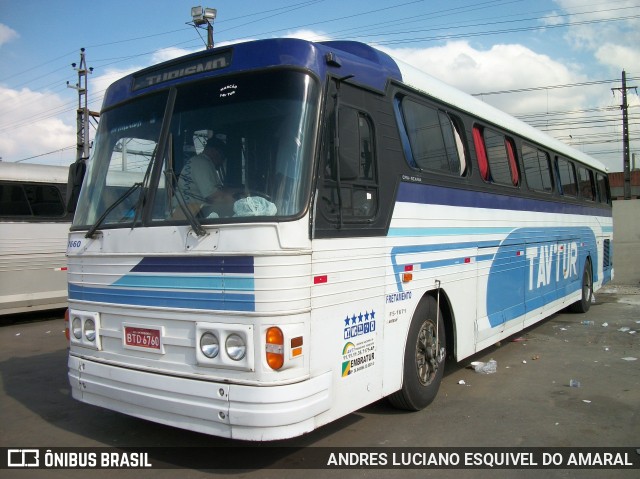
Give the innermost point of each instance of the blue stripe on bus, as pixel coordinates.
(440, 195)
(532, 267)
(226, 283)
(195, 264)
(167, 299)
(452, 231)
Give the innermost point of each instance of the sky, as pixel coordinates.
(555, 64)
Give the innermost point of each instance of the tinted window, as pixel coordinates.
(536, 168)
(566, 177)
(356, 166)
(496, 157)
(585, 182)
(435, 141)
(603, 189)
(44, 201)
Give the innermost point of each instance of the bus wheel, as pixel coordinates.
(583, 305)
(423, 359)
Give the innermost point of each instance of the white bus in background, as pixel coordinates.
(34, 225)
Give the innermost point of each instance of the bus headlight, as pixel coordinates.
(76, 327)
(235, 346)
(85, 329)
(90, 330)
(209, 345)
(224, 345)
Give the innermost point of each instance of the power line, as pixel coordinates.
(45, 154)
(547, 87)
(451, 36)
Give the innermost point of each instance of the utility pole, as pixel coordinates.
(83, 113)
(77, 169)
(625, 135)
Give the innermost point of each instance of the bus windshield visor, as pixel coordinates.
(233, 149)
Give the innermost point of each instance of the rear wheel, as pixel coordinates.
(583, 305)
(423, 358)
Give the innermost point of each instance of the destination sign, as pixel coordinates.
(183, 69)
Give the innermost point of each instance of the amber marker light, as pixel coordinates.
(296, 347)
(407, 276)
(274, 347)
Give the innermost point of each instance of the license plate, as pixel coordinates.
(143, 338)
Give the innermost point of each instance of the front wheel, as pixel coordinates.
(423, 358)
(583, 305)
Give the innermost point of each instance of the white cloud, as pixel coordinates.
(552, 19)
(609, 24)
(618, 57)
(310, 35)
(7, 34)
(170, 53)
(502, 67)
(33, 128)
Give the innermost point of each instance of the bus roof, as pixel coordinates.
(34, 173)
(369, 66)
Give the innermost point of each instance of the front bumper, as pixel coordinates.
(254, 413)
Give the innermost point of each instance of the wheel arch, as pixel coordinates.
(447, 317)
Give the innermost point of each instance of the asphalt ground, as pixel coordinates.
(527, 403)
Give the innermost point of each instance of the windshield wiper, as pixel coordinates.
(139, 203)
(112, 206)
(196, 226)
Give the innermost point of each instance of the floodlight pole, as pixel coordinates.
(209, 35)
(202, 16)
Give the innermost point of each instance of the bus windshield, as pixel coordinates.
(234, 148)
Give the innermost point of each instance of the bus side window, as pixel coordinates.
(45, 200)
(434, 139)
(496, 157)
(585, 182)
(41, 201)
(603, 189)
(481, 153)
(566, 177)
(536, 169)
(13, 201)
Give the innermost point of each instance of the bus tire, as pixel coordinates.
(584, 303)
(424, 359)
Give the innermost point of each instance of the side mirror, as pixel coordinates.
(74, 183)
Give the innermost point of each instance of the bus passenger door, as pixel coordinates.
(505, 293)
(544, 275)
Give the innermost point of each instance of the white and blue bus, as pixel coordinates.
(365, 223)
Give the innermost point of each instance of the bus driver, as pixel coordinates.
(201, 182)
